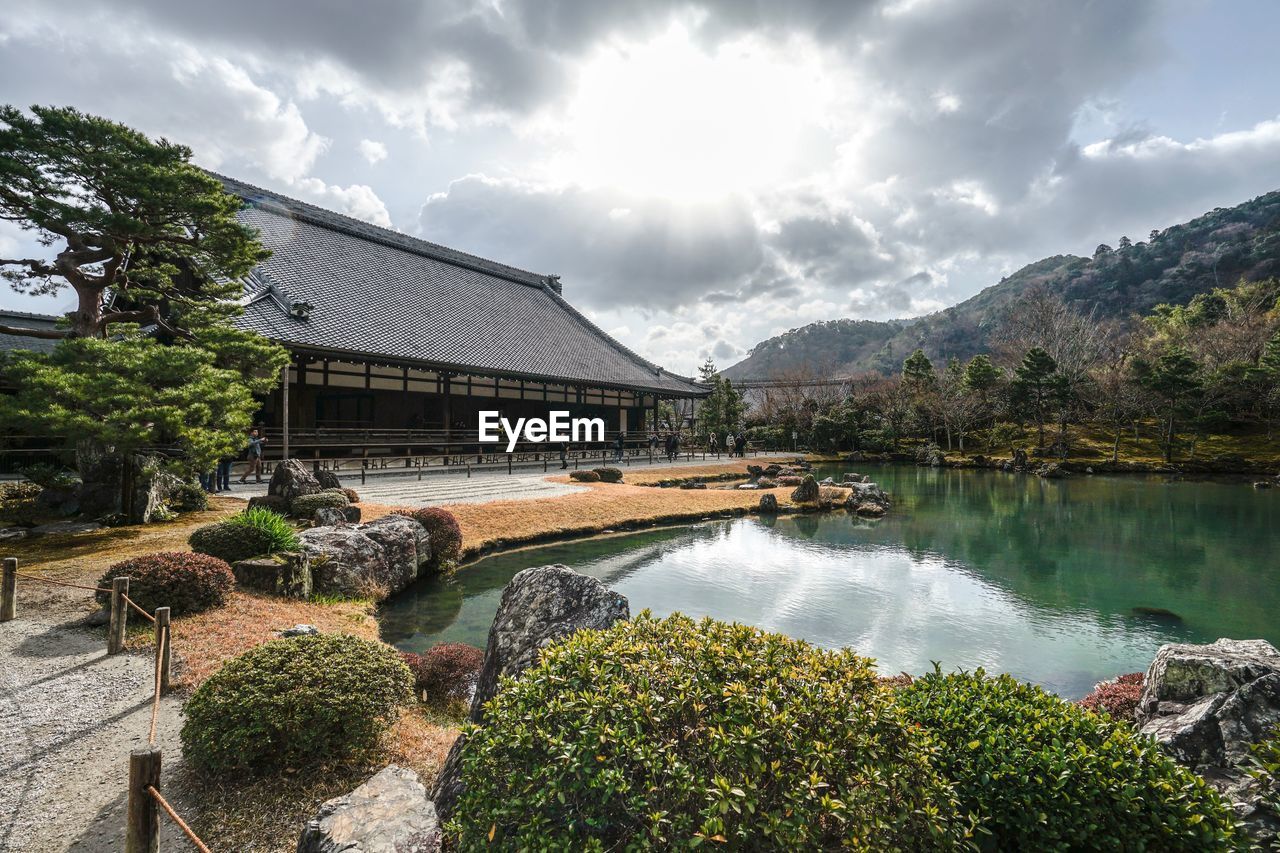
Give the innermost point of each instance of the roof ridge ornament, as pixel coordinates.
(300, 309)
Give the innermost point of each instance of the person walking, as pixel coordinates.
(619, 444)
(564, 455)
(253, 453)
(740, 443)
(713, 444)
(728, 443)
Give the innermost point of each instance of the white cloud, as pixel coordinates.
(357, 200)
(372, 151)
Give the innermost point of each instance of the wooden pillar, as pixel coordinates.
(284, 411)
(445, 382)
(142, 828)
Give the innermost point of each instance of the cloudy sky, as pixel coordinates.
(702, 175)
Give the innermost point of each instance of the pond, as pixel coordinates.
(1060, 582)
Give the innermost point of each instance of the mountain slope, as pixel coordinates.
(1215, 249)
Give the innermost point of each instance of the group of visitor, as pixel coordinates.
(219, 479)
(735, 444)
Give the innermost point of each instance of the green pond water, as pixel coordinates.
(1009, 572)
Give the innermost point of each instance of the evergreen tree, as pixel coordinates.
(155, 254)
(1174, 377)
(1034, 376)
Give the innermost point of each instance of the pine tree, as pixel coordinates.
(1035, 375)
(1174, 377)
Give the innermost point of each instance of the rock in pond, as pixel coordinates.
(1207, 705)
(292, 480)
(382, 556)
(807, 491)
(769, 503)
(390, 813)
(539, 606)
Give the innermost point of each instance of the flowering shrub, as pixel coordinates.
(584, 476)
(443, 534)
(444, 672)
(185, 583)
(665, 733)
(1118, 697)
(1040, 773)
(295, 701)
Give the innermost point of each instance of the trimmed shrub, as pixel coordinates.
(185, 583)
(188, 497)
(352, 496)
(608, 475)
(305, 506)
(1118, 697)
(447, 671)
(584, 476)
(49, 476)
(252, 533)
(790, 480)
(19, 490)
(663, 733)
(443, 534)
(294, 702)
(1040, 773)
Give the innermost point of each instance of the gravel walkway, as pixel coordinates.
(71, 714)
(451, 488)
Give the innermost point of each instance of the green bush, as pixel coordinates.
(663, 733)
(443, 534)
(251, 533)
(305, 506)
(185, 583)
(1264, 767)
(1040, 773)
(49, 476)
(584, 476)
(293, 702)
(189, 497)
(608, 475)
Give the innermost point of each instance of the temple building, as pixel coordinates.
(402, 342)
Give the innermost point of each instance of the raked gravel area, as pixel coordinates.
(70, 715)
(481, 487)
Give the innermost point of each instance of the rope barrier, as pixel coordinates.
(60, 583)
(155, 700)
(182, 824)
(138, 608)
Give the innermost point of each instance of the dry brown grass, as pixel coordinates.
(604, 506)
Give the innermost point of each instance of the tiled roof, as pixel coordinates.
(379, 292)
(25, 320)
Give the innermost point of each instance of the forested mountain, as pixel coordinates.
(1171, 266)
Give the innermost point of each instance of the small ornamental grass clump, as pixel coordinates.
(1118, 697)
(443, 534)
(293, 702)
(1040, 773)
(185, 583)
(584, 476)
(667, 733)
(608, 475)
(253, 533)
(445, 672)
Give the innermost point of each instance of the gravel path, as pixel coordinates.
(71, 714)
(450, 488)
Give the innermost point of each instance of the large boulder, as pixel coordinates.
(378, 558)
(807, 491)
(1207, 705)
(286, 574)
(390, 813)
(291, 480)
(327, 480)
(538, 607)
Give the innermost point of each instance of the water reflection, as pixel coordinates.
(1033, 577)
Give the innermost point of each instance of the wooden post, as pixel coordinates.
(284, 410)
(164, 639)
(9, 590)
(142, 827)
(119, 615)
